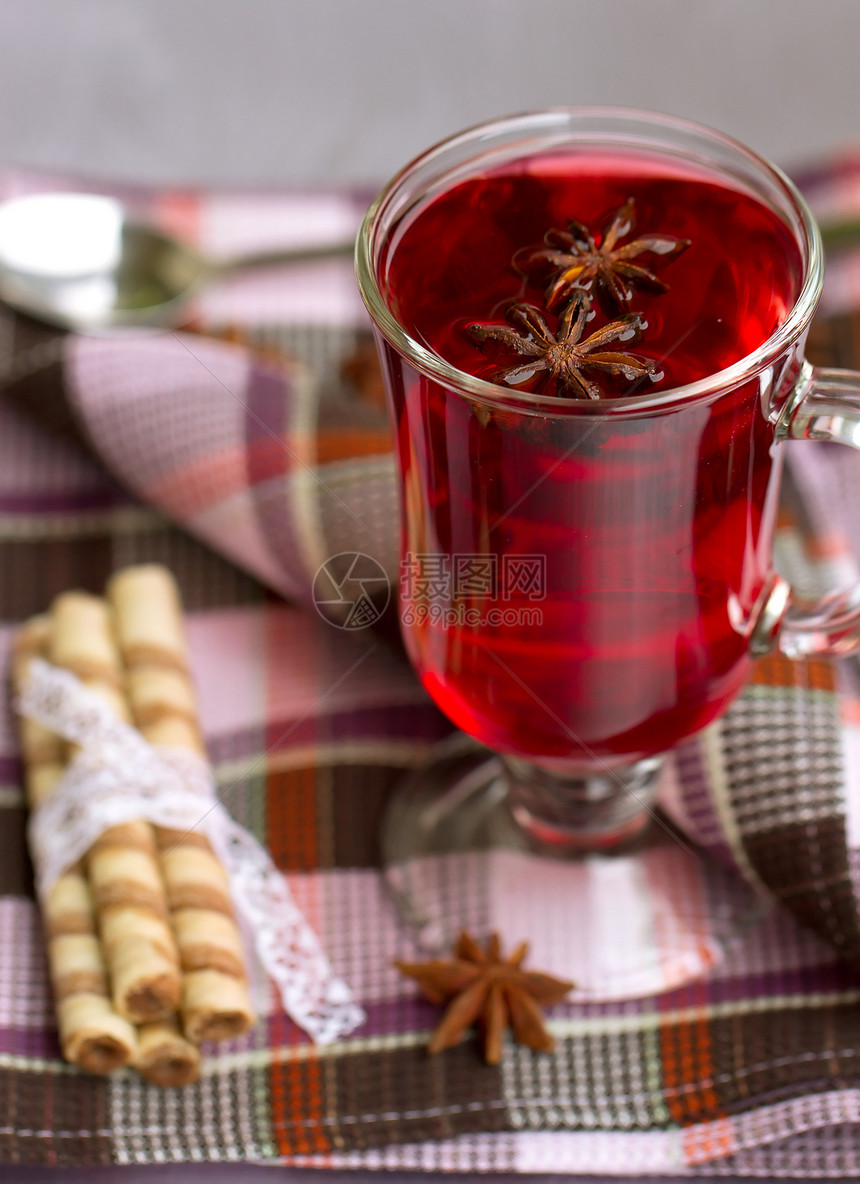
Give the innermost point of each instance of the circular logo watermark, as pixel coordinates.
(351, 590)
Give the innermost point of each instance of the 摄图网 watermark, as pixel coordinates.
(473, 591)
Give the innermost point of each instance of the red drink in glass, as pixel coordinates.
(650, 527)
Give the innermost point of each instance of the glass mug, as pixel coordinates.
(585, 584)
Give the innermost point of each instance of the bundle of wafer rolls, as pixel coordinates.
(144, 952)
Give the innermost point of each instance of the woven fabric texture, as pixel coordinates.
(244, 451)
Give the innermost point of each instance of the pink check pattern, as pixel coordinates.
(236, 451)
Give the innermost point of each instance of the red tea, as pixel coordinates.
(653, 530)
(457, 261)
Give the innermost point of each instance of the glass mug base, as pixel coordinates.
(465, 846)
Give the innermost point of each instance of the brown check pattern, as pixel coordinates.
(753, 1068)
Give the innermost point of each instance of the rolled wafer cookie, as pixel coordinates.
(151, 635)
(164, 1056)
(215, 1006)
(123, 865)
(68, 906)
(92, 1035)
(209, 941)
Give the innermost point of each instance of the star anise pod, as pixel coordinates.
(578, 261)
(480, 987)
(564, 357)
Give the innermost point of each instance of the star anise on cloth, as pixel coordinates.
(565, 358)
(480, 987)
(578, 261)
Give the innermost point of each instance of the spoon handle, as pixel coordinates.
(837, 236)
(281, 256)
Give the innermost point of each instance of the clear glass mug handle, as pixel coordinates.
(825, 405)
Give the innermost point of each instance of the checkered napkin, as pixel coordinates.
(244, 451)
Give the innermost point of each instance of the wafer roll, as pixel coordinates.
(195, 878)
(208, 941)
(164, 1056)
(68, 906)
(92, 1035)
(122, 866)
(76, 965)
(215, 1002)
(215, 1006)
(149, 621)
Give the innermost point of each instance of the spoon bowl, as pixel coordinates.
(79, 261)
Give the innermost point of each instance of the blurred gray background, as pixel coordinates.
(299, 91)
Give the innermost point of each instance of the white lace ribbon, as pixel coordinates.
(117, 777)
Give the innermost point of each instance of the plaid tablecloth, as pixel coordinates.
(259, 431)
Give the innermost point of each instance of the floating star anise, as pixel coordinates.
(480, 987)
(579, 262)
(564, 356)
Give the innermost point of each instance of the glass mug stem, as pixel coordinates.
(564, 813)
(825, 406)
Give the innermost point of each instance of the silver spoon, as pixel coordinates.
(78, 260)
